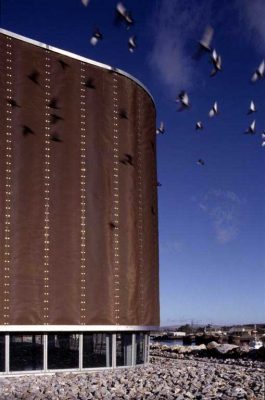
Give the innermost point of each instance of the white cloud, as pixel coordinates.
(176, 22)
(222, 207)
(253, 13)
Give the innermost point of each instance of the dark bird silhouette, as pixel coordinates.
(89, 83)
(158, 184)
(199, 126)
(55, 118)
(200, 162)
(53, 103)
(153, 146)
(252, 108)
(97, 35)
(34, 76)
(63, 64)
(204, 43)
(26, 130)
(160, 129)
(127, 160)
(13, 103)
(112, 225)
(132, 43)
(123, 114)
(217, 63)
(251, 129)
(259, 73)
(123, 15)
(55, 137)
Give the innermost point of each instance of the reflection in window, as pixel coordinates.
(97, 350)
(63, 351)
(26, 352)
(123, 349)
(2, 353)
(139, 348)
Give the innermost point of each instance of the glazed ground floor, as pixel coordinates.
(25, 352)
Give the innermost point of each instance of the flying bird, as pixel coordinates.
(53, 103)
(85, 2)
(217, 63)
(252, 108)
(55, 137)
(259, 73)
(123, 15)
(97, 35)
(263, 139)
(26, 130)
(55, 118)
(13, 103)
(123, 114)
(214, 110)
(161, 129)
(127, 160)
(199, 125)
(252, 128)
(183, 99)
(132, 43)
(158, 184)
(89, 83)
(63, 64)
(205, 43)
(200, 162)
(34, 77)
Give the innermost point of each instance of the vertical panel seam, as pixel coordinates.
(140, 206)
(8, 168)
(115, 211)
(83, 195)
(46, 243)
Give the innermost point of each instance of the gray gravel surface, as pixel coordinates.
(163, 378)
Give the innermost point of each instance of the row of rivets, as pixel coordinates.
(115, 214)
(140, 208)
(8, 166)
(83, 196)
(46, 191)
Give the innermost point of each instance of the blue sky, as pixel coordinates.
(211, 218)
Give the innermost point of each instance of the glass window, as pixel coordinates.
(123, 349)
(140, 348)
(97, 350)
(26, 352)
(2, 353)
(63, 351)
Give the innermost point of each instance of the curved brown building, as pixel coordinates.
(78, 202)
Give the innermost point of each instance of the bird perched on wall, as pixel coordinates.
(55, 137)
(96, 37)
(259, 73)
(127, 160)
(198, 126)
(55, 118)
(123, 114)
(214, 110)
(161, 129)
(132, 43)
(13, 103)
(53, 103)
(252, 128)
(183, 99)
(123, 15)
(63, 64)
(217, 63)
(252, 108)
(205, 43)
(89, 83)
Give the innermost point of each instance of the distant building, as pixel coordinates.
(78, 212)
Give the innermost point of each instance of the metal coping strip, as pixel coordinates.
(76, 328)
(77, 57)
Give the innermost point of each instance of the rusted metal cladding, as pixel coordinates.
(78, 197)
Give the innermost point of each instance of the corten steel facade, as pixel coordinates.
(78, 194)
